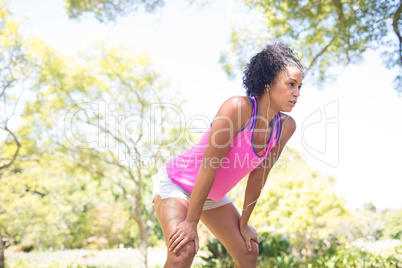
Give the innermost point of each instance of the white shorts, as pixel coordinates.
(166, 188)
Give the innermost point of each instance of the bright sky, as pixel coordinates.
(351, 129)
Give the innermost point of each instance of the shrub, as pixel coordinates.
(218, 257)
(274, 249)
(349, 256)
(27, 247)
(273, 245)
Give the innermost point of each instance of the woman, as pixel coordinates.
(246, 137)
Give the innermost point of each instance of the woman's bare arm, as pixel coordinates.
(232, 115)
(258, 177)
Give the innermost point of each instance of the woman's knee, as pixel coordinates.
(248, 258)
(184, 257)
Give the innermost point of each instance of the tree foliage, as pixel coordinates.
(107, 116)
(63, 214)
(105, 113)
(393, 224)
(111, 10)
(107, 10)
(328, 33)
(14, 69)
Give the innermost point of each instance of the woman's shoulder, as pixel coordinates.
(237, 102)
(288, 125)
(237, 107)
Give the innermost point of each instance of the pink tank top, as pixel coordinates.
(240, 160)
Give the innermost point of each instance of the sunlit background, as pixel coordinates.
(67, 205)
(185, 42)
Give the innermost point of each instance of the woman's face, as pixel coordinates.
(285, 90)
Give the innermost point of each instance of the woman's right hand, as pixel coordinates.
(248, 234)
(185, 232)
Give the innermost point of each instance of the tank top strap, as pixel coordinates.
(254, 112)
(254, 106)
(277, 129)
(279, 126)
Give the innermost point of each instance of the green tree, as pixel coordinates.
(369, 207)
(393, 224)
(106, 10)
(108, 113)
(70, 207)
(59, 200)
(14, 69)
(111, 10)
(329, 33)
(367, 224)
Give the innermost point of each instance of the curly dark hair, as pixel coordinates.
(265, 66)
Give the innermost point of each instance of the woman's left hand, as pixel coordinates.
(248, 234)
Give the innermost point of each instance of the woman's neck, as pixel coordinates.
(264, 105)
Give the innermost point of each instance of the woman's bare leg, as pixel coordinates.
(223, 222)
(170, 212)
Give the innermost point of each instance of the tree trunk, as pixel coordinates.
(1, 251)
(144, 249)
(145, 230)
(143, 237)
(136, 215)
